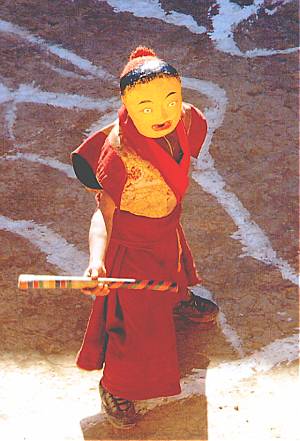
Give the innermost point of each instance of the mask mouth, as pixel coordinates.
(164, 126)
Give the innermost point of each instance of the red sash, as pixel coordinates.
(175, 175)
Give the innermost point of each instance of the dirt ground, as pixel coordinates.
(59, 67)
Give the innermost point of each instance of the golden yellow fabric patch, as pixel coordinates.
(146, 192)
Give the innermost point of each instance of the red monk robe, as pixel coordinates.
(132, 332)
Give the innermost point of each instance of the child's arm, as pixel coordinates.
(99, 236)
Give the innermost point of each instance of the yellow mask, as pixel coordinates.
(154, 106)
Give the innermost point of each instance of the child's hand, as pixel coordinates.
(94, 271)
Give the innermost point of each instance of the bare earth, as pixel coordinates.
(43, 395)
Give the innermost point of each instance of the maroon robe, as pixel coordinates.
(132, 332)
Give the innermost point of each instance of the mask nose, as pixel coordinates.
(163, 114)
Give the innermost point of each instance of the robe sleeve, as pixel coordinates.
(196, 127)
(98, 166)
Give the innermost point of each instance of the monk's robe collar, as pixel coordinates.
(175, 175)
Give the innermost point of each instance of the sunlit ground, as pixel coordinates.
(50, 399)
(45, 400)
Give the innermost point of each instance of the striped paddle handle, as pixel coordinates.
(28, 281)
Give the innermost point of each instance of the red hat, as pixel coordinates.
(143, 66)
(139, 56)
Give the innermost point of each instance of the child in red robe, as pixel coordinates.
(139, 168)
